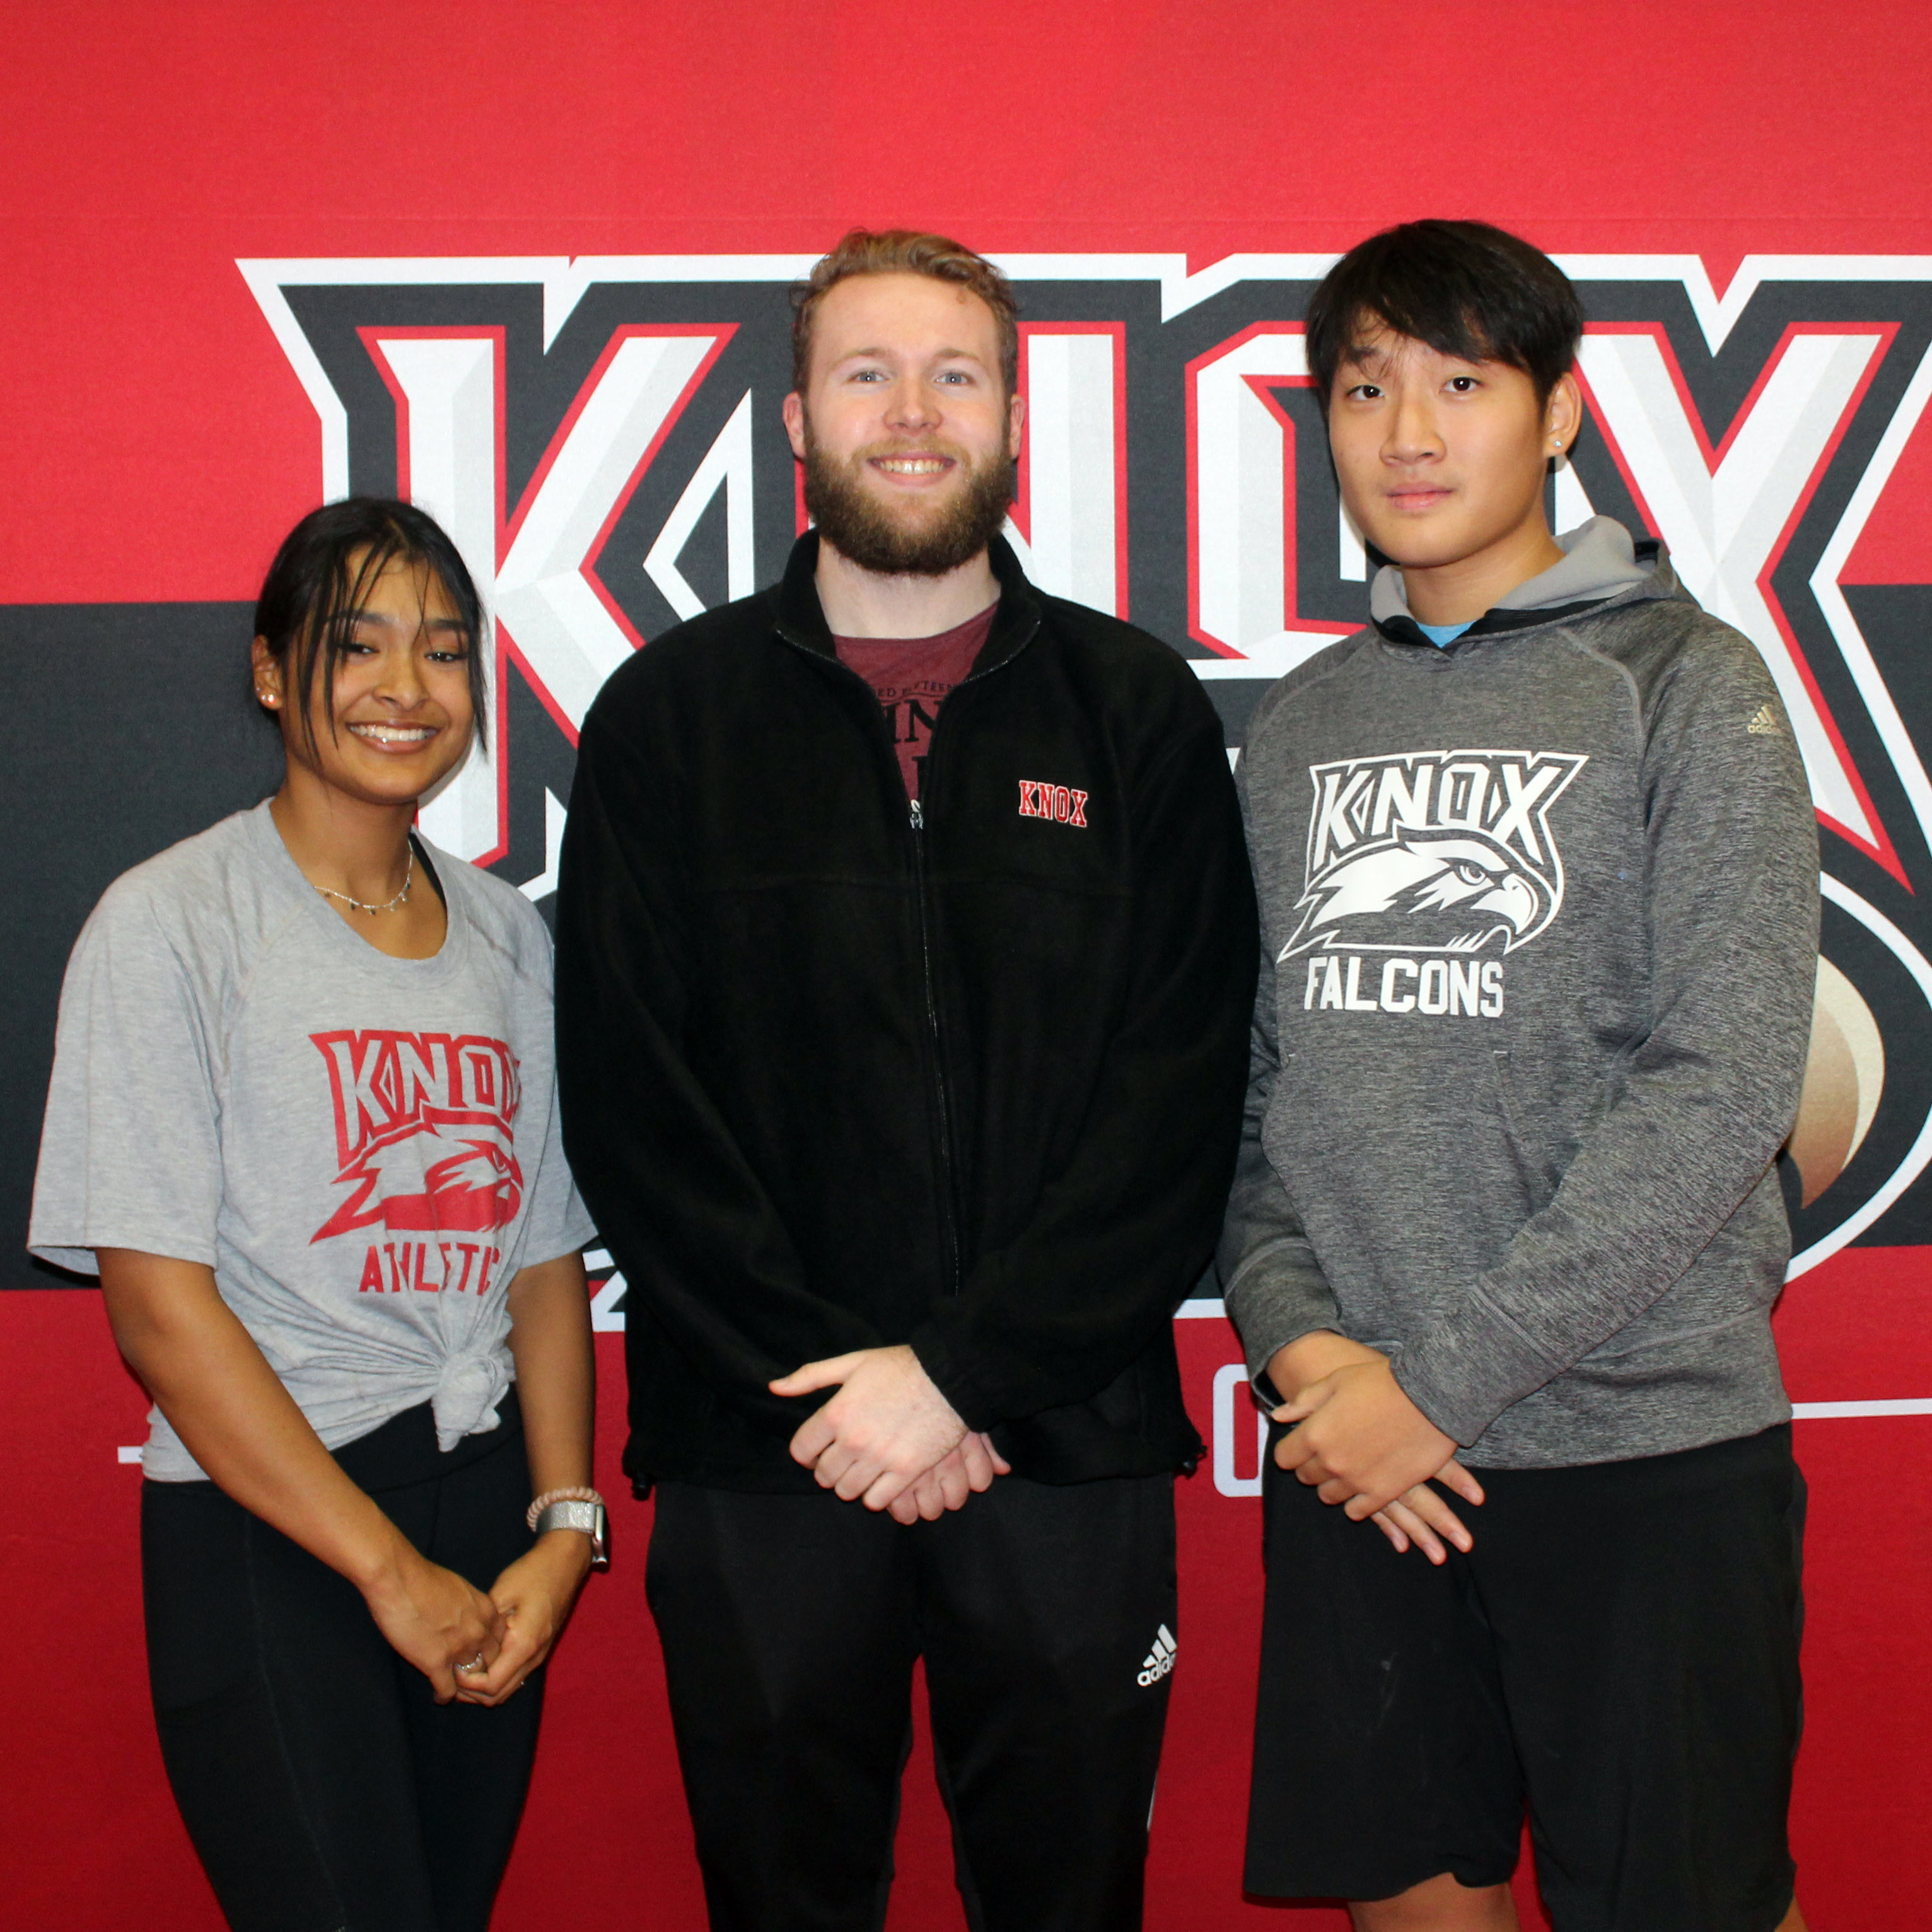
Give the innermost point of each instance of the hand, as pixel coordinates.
(534, 1595)
(885, 1427)
(964, 1471)
(1361, 1442)
(1418, 1517)
(435, 1619)
(1293, 1367)
(1421, 1517)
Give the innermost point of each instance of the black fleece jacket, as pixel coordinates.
(832, 1078)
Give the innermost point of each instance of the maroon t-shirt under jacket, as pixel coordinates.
(910, 677)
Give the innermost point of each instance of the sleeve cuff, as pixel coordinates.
(970, 1403)
(1465, 1372)
(79, 1249)
(1275, 1299)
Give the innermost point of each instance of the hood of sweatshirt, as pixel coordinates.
(1599, 563)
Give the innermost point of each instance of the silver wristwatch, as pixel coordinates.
(589, 1518)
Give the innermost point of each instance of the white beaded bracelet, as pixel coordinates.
(549, 1496)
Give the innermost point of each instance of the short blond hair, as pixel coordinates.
(905, 251)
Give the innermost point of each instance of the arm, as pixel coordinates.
(1286, 1312)
(1706, 1095)
(549, 1341)
(702, 1245)
(1357, 1431)
(1273, 1287)
(243, 1427)
(669, 1186)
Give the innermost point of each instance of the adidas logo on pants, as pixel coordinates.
(1160, 1659)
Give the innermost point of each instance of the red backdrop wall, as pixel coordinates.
(155, 441)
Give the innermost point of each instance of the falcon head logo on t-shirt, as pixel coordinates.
(425, 1133)
(1441, 852)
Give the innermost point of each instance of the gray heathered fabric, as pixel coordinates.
(1551, 1201)
(365, 1150)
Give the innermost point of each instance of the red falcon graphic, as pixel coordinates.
(393, 1092)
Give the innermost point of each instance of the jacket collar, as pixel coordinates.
(801, 617)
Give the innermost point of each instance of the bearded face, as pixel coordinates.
(925, 535)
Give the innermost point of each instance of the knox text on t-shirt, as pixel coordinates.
(453, 1099)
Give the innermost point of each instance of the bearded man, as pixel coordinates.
(906, 942)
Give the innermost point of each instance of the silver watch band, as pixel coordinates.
(588, 1517)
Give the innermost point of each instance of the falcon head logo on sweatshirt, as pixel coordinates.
(1432, 852)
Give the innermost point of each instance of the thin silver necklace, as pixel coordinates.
(388, 905)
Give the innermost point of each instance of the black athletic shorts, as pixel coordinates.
(1619, 1652)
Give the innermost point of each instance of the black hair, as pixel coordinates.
(323, 570)
(1463, 288)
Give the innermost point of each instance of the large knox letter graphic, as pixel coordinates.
(595, 361)
(1726, 514)
(1241, 503)
(538, 573)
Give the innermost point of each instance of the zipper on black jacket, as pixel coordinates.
(950, 1214)
(951, 1203)
(949, 1177)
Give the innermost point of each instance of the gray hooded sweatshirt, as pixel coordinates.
(1539, 916)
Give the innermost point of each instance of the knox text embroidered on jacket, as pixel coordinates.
(1039, 798)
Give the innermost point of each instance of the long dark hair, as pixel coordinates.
(316, 586)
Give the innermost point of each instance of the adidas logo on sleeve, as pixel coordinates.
(1160, 1660)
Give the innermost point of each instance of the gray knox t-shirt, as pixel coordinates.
(365, 1150)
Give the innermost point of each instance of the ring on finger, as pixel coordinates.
(474, 1664)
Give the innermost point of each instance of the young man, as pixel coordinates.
(1538, 875)
(905, 950)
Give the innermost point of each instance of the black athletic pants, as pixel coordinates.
(324, 1788)
(790, 1624)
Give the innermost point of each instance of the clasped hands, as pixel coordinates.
(439, 1621)
(1360, 1442)
(889, 1439)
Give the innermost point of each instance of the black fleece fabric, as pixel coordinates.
(832, 1078)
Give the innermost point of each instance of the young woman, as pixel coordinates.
(302, 1121)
